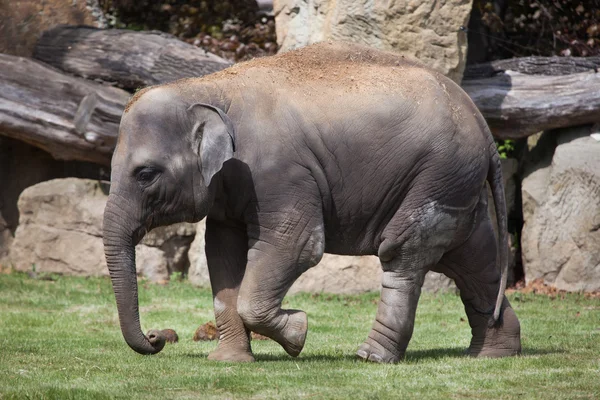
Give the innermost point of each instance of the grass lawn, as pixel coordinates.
(61, 340)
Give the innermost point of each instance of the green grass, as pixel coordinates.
(61, 340)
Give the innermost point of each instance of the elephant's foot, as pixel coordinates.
(293, 336)
(372, 351)
(230, 353)
(501, 340)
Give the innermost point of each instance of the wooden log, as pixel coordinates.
(77, 119)
(516, 105)
(534, 66)
(129, 59)
(71, 118)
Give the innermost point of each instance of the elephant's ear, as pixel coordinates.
(212, 138)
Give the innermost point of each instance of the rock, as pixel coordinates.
(510, 167)
(198, 271)
(334, 274)
(5, 238)
(23, 165)
(425, 29)
(436, 282)
(341, 275)
(353, 275)
(22, 22)
(561, 211)
(60, 231)
(60, 228)
(151, 263)
(173, 241)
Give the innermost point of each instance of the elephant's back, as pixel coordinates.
(331, 66)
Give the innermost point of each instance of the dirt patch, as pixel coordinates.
(539, 287)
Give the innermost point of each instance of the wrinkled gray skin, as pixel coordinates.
(333, 148)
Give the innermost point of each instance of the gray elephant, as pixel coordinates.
(332, 148)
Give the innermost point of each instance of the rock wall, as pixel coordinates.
(426, 29)
(334, 274)
(561, 210)
(60, 231)
(6, 238)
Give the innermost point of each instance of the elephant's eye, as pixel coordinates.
(146, 175)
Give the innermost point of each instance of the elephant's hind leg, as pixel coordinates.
(415, 241)
(473, 267)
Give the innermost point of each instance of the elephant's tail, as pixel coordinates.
(494, 178)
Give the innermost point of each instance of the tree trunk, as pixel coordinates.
(534, 66)
(516, 105)
(75, 119)
(71, 118)
(130, 59)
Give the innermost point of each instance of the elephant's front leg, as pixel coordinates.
(275, 261)
(226, 249)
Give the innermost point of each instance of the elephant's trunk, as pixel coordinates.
(120, 257)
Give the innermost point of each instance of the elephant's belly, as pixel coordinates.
(350, 242)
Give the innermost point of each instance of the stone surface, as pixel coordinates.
(334, 274)
(425, 29)
(23, 165)
(5, 238)
(22, 22)
(510, 167)
(60, 231)
(198, 271)
(353, 275)
(561, 210)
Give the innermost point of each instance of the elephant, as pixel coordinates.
(333, 147)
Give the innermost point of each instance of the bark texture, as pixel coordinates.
(129, 59)
(517, 105)
(552, 66)
(70, 118)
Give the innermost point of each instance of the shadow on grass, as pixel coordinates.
(59, 393)
(412, 356)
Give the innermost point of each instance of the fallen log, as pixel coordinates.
(533, 66)
(129, 59)
(77, 119)
(71, 118)
(516, 105)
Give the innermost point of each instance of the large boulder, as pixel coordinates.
(561, 210)
(334, 274)
(60, 231)
(22, 22)
(198, 271)
(426, 29)
(510, 167)
(5, 238)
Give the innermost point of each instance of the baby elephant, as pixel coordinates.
(333, 148)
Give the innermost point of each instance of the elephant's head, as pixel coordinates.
(167, 154)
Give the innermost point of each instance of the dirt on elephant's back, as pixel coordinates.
(335, 64)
